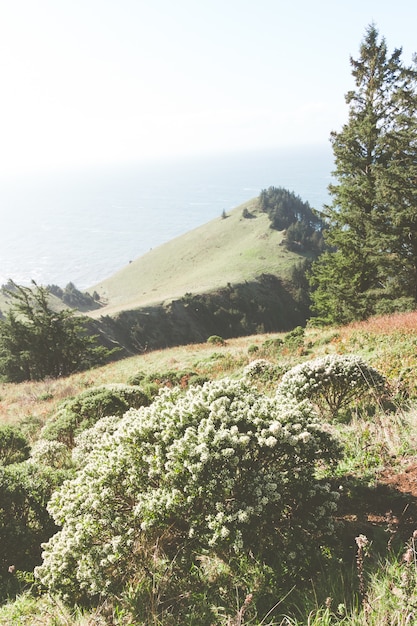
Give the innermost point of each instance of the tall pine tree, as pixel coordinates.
(371, 263)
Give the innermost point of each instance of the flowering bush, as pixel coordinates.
(260, 369)
(86, 441)
(50, 454)
(219, 473)
(331, 382)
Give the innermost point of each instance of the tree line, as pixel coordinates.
(303, 226)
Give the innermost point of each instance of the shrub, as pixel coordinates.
(216, 340)
(137, 378)
(86, 441)
(50, 454)
(332, 382)
(169, 378)
(198, 380)
(217, 478)
(25, 521)
(295, 338)
(260, 369)
(30, 426)
(84, 410)
(166, 378)
(14, 447)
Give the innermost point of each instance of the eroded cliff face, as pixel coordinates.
(265, 305)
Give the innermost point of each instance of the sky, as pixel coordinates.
(92, 83)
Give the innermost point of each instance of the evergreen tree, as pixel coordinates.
(37, 342)
(371, 262)
(288, 212)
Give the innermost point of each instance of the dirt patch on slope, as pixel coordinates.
(386, 512)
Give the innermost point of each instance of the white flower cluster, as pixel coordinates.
(88, 439)
(50, 453)
(219, 467)
(331, 382)
(259, 368)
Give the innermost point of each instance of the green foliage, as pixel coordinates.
(272, 344)
(332, 383)
(81, 412)
(265, 304)
(137, 378)
(37, 342)
(169, 378)
(371, 263)
(261, 369)
(216, 340)
(14, 447)
(288, 212)
(201, 497)
(30, 426)
(24, 521)
(28, 609)
(246, 214)
(152, 382)
(295, 338)
(75, 299)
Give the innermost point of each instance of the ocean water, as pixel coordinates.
(82, 228)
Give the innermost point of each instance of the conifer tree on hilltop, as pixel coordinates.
(370, 266)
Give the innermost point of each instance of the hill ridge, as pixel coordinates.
(231, 249)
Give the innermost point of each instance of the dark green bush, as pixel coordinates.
(295, 338)
(30, 426)
(272, 343)
(81, 412)
(198, 380)
(216, 340)
(170, 378)
(14, 447)
(151, 383)
(136, 379)
(24, 521)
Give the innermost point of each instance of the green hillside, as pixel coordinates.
(229, 277)
(231, 249)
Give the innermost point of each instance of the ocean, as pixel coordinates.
(82, 228)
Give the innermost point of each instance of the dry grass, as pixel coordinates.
(403, 322)
(392, 338)
(39, 400)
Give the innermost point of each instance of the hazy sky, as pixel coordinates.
(95, 82)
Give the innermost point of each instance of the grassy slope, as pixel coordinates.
(388, 343)
(230, 250)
